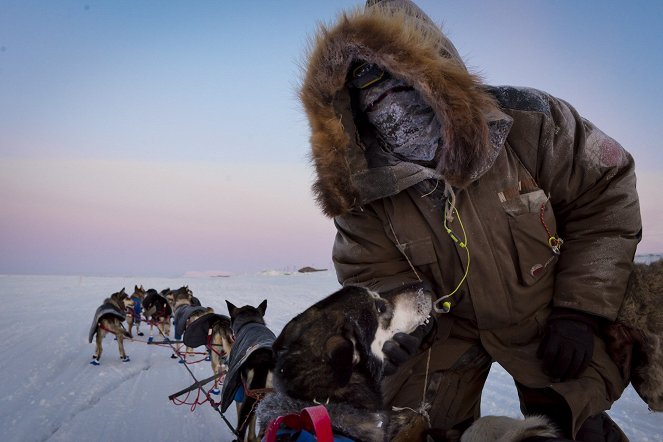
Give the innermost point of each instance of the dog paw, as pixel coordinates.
(172, 356)
(141, 334)
(182, 361)
(125, 359)
(95, 362)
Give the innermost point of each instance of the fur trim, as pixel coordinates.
(398, 425)
(507, 429)
(405, 42)
(346, 419)
(636, 340)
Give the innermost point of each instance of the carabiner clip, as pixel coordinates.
(441, 305)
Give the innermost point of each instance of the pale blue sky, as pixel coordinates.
(153, 137)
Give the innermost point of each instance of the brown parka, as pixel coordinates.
(515, 168)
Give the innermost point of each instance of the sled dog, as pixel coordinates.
(185, 315)
(133, 314)
(332, 354)
(108, 319)
(158, 311)
(212, 331)
(250, 363)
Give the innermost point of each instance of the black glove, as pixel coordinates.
(403, 346)
(568, 343)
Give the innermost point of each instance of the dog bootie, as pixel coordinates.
(95, 361)
(125, 359)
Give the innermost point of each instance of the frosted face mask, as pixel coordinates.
(403, 120)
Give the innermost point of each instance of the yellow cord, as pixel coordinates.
(446, 305)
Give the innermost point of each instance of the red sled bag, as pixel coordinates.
(311, 425)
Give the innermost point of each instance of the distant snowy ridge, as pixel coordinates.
(648, 258)
(206, 274)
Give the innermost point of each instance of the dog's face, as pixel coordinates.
(181, 298)
(246, 314)
(139, 292)
(333, 350)
(122, 300)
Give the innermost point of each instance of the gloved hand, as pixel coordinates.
(403, 346)
(568, 343)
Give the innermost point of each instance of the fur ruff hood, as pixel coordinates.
(402, 39)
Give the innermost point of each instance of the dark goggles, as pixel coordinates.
(365, 75)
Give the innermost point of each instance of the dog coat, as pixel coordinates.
(250, 338)
(197, 332)
(106, 309)
(182, 315)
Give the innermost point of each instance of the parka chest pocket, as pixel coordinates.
(420, 251)
(532, 223)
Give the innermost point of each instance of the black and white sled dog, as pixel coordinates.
(332, 354)
(108, 319)
(158, 311)
(250, 364)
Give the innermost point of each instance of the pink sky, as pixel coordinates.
(152, 138)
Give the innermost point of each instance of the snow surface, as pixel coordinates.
(49, 391)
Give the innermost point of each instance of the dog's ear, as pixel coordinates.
(122, 291)
(262, 308)
(231, 308)
(340, 353)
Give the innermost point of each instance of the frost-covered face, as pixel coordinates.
(403, 120)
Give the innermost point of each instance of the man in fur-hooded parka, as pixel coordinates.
(525, 221)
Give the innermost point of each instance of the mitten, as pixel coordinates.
(403, 345)
(568, 343)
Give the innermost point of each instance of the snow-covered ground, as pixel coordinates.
(49, 391)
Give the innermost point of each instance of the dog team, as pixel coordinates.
(330, 355)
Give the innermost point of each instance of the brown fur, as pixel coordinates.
(222, 341)
(111, 324)
(635, 342)
(412, 48)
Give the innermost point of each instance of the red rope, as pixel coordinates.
(211, 346)
(256, 393)
(195, 402)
